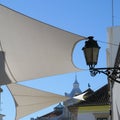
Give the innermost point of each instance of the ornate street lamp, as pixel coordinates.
(91, 52)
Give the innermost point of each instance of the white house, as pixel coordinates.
(94, 107)
(113, 59)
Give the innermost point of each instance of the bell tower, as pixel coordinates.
(76, 90)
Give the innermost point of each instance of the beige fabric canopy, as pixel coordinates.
(29, 100)
(33, 49)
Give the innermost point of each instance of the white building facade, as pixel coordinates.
(112, 57)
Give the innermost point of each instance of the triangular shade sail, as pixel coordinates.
(29, 100)
(80, 97)
(31, 49)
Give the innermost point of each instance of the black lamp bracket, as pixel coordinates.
(113, 73)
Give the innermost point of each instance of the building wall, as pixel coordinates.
(114, 39)
(93, 115)
(86, 116)
(93, 112)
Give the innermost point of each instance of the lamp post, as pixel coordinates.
(91, 52)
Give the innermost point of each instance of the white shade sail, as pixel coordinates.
(31, 49)
(29, 100)
(80, 97)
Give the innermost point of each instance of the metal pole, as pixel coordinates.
(112, 13)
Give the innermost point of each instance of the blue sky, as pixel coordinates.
(83, 17)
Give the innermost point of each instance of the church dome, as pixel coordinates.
(75, 91)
